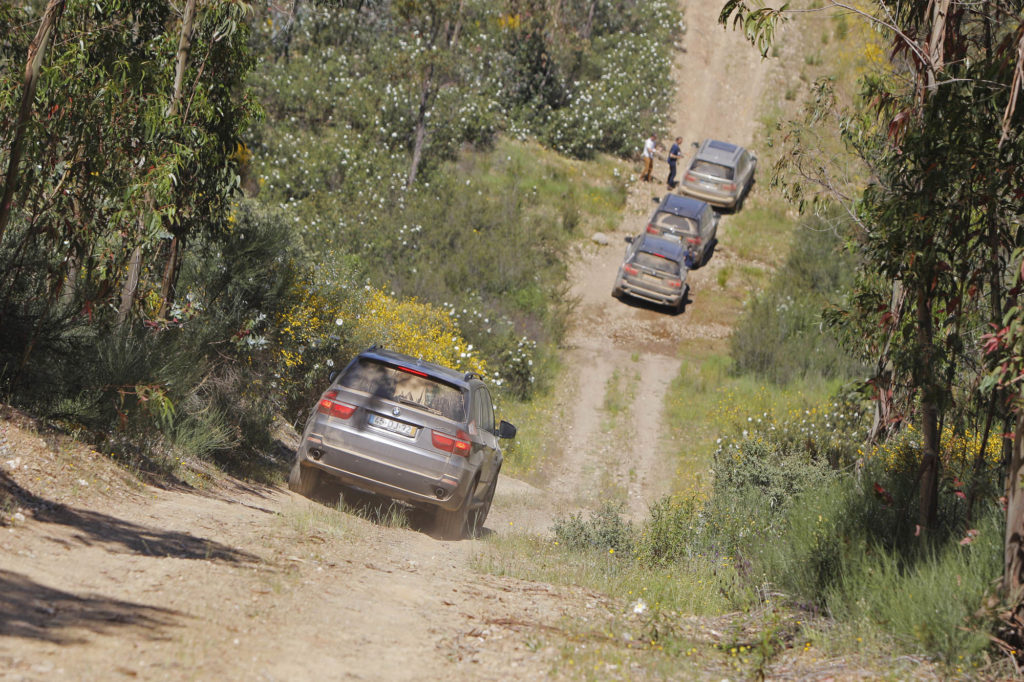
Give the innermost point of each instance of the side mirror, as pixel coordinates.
(506, 430)
(629, 240)
(332, 376)
(656, 199)
(695, 144)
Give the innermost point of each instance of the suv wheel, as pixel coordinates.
(453, 524)
(479, 515)
(303, 480)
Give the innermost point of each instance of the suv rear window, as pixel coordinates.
(668, 221)
(656, 262)
(405, 386)
(715, 170)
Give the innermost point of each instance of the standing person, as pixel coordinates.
(648, 157)
(674, 154)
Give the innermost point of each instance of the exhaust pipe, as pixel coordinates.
(316, 453)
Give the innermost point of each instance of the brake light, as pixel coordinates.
(333, 409)
(413, 371)
(651, 228)
(693, 240)
(674, 283)
(730, 186)
(690, 177)
(446, 443)
(630, 270)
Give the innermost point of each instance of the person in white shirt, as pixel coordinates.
(650, 145)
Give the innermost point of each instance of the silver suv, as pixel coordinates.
(720, 173)
(653, 269)
(414, 431)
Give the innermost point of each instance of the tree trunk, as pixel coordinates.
(426, 94)
(36, 54)
(1013, 567)
(131, 285)
(170, 278)
(929, 480)
(172, 267)
(188, 21)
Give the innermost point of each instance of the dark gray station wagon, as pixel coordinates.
(414, 431)
(690, 221)
(653, 270)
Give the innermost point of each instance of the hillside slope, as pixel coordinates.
(102, 580)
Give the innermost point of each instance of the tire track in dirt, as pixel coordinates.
(357, 600)
(720, 85)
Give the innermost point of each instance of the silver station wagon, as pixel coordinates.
(414, 431)
(720, 173)
(653, 270)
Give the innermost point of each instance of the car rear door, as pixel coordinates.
(486, 433)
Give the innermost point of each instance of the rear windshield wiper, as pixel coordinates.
(407, 401)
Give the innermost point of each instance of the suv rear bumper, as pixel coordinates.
(713, 198)
(651, 295)
(370, 474)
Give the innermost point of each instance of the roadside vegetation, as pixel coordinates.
(841, 466)
(217, 204)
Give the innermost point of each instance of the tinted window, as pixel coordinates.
(656, 262)
(714, 170)
(393, 383)
(485, 411)
(667, 221)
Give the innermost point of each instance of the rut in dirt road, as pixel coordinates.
(242, 582)
(616, 346)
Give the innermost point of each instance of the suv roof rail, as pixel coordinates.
(473, 375)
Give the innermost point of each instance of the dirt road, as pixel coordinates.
(104, 579)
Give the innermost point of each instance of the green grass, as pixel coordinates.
(707, 400)
(536, 430)
(762, 230)
(692, 588)
(587, 196)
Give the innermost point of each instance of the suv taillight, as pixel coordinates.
(459, 445)
(690, 177)
(630, 270)
(331, 408)
(729, 186)
(651, 228)
(674, 283)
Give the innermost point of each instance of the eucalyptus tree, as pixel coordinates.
(940, 131)
(128, 143)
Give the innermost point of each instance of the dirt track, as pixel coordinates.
(232, 584)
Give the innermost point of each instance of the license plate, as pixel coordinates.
(392, 425)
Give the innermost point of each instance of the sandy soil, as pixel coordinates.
(104, 579)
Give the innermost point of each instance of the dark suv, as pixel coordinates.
(414, 431)
(691, 221)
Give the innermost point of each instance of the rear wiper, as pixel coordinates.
(407, 401)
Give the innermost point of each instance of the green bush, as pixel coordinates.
(603, 530)
(781, 335)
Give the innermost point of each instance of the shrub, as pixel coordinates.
(781, 336)
(604, 530)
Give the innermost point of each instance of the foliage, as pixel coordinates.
(780, 335)
(604, 530)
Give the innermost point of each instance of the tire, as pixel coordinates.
(454, 524)
(478, 517)
(303, 480)
(678, 308)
